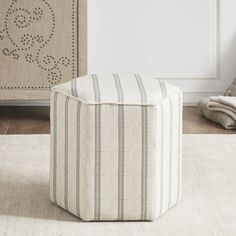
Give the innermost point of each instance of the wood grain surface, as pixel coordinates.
(35, 120)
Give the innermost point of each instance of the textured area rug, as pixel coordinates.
(208, 205)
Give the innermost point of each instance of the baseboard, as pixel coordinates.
(189, 99)
(25, 103)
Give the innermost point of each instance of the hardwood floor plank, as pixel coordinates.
(30, 120)
(5, 117)
(35, 120)
(194, 123)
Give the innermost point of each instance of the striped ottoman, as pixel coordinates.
(116, 147)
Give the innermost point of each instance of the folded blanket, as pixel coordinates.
(217, 117)
(224, 104)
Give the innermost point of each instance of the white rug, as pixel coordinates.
(208, 205)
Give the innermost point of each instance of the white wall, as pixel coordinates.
(191, 43)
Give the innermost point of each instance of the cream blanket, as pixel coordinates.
(217, 117)
(223, 104)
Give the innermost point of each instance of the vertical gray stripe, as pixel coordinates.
(77, 186)
(97, 160)
(179, 145)
(97, 188)
(141, 88)
(55, 147)
(144, 163)
(66, 152)
(162, 158)
(120, 96)
(121, 162)
(74, 88)
(163, 89)
(119, 90)
(96, 89)
(170, 150)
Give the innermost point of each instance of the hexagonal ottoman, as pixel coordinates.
(116, 147)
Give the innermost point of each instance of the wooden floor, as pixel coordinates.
(194, 123)
(35, 120)
(24, 120)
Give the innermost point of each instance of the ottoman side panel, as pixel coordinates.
(139, 162)
(121, 184)
(169, 153)
(53, 142)
(72, 156)
(57, 181)
(152, 162)
(87, 162)
(110, 164)
(79, 174)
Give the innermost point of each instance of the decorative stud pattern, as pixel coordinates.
(27, 40)
(54, 75)
(29, 58)
(30, 47)
(6, 52)
(13, 53)
(22, 17)
(64, 61)
(37, 13)
(39, 38)
(1, 34)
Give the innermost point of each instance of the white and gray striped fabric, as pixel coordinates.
(116, 147)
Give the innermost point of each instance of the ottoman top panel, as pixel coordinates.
(130, 89)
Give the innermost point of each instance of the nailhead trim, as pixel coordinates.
(48, 63)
